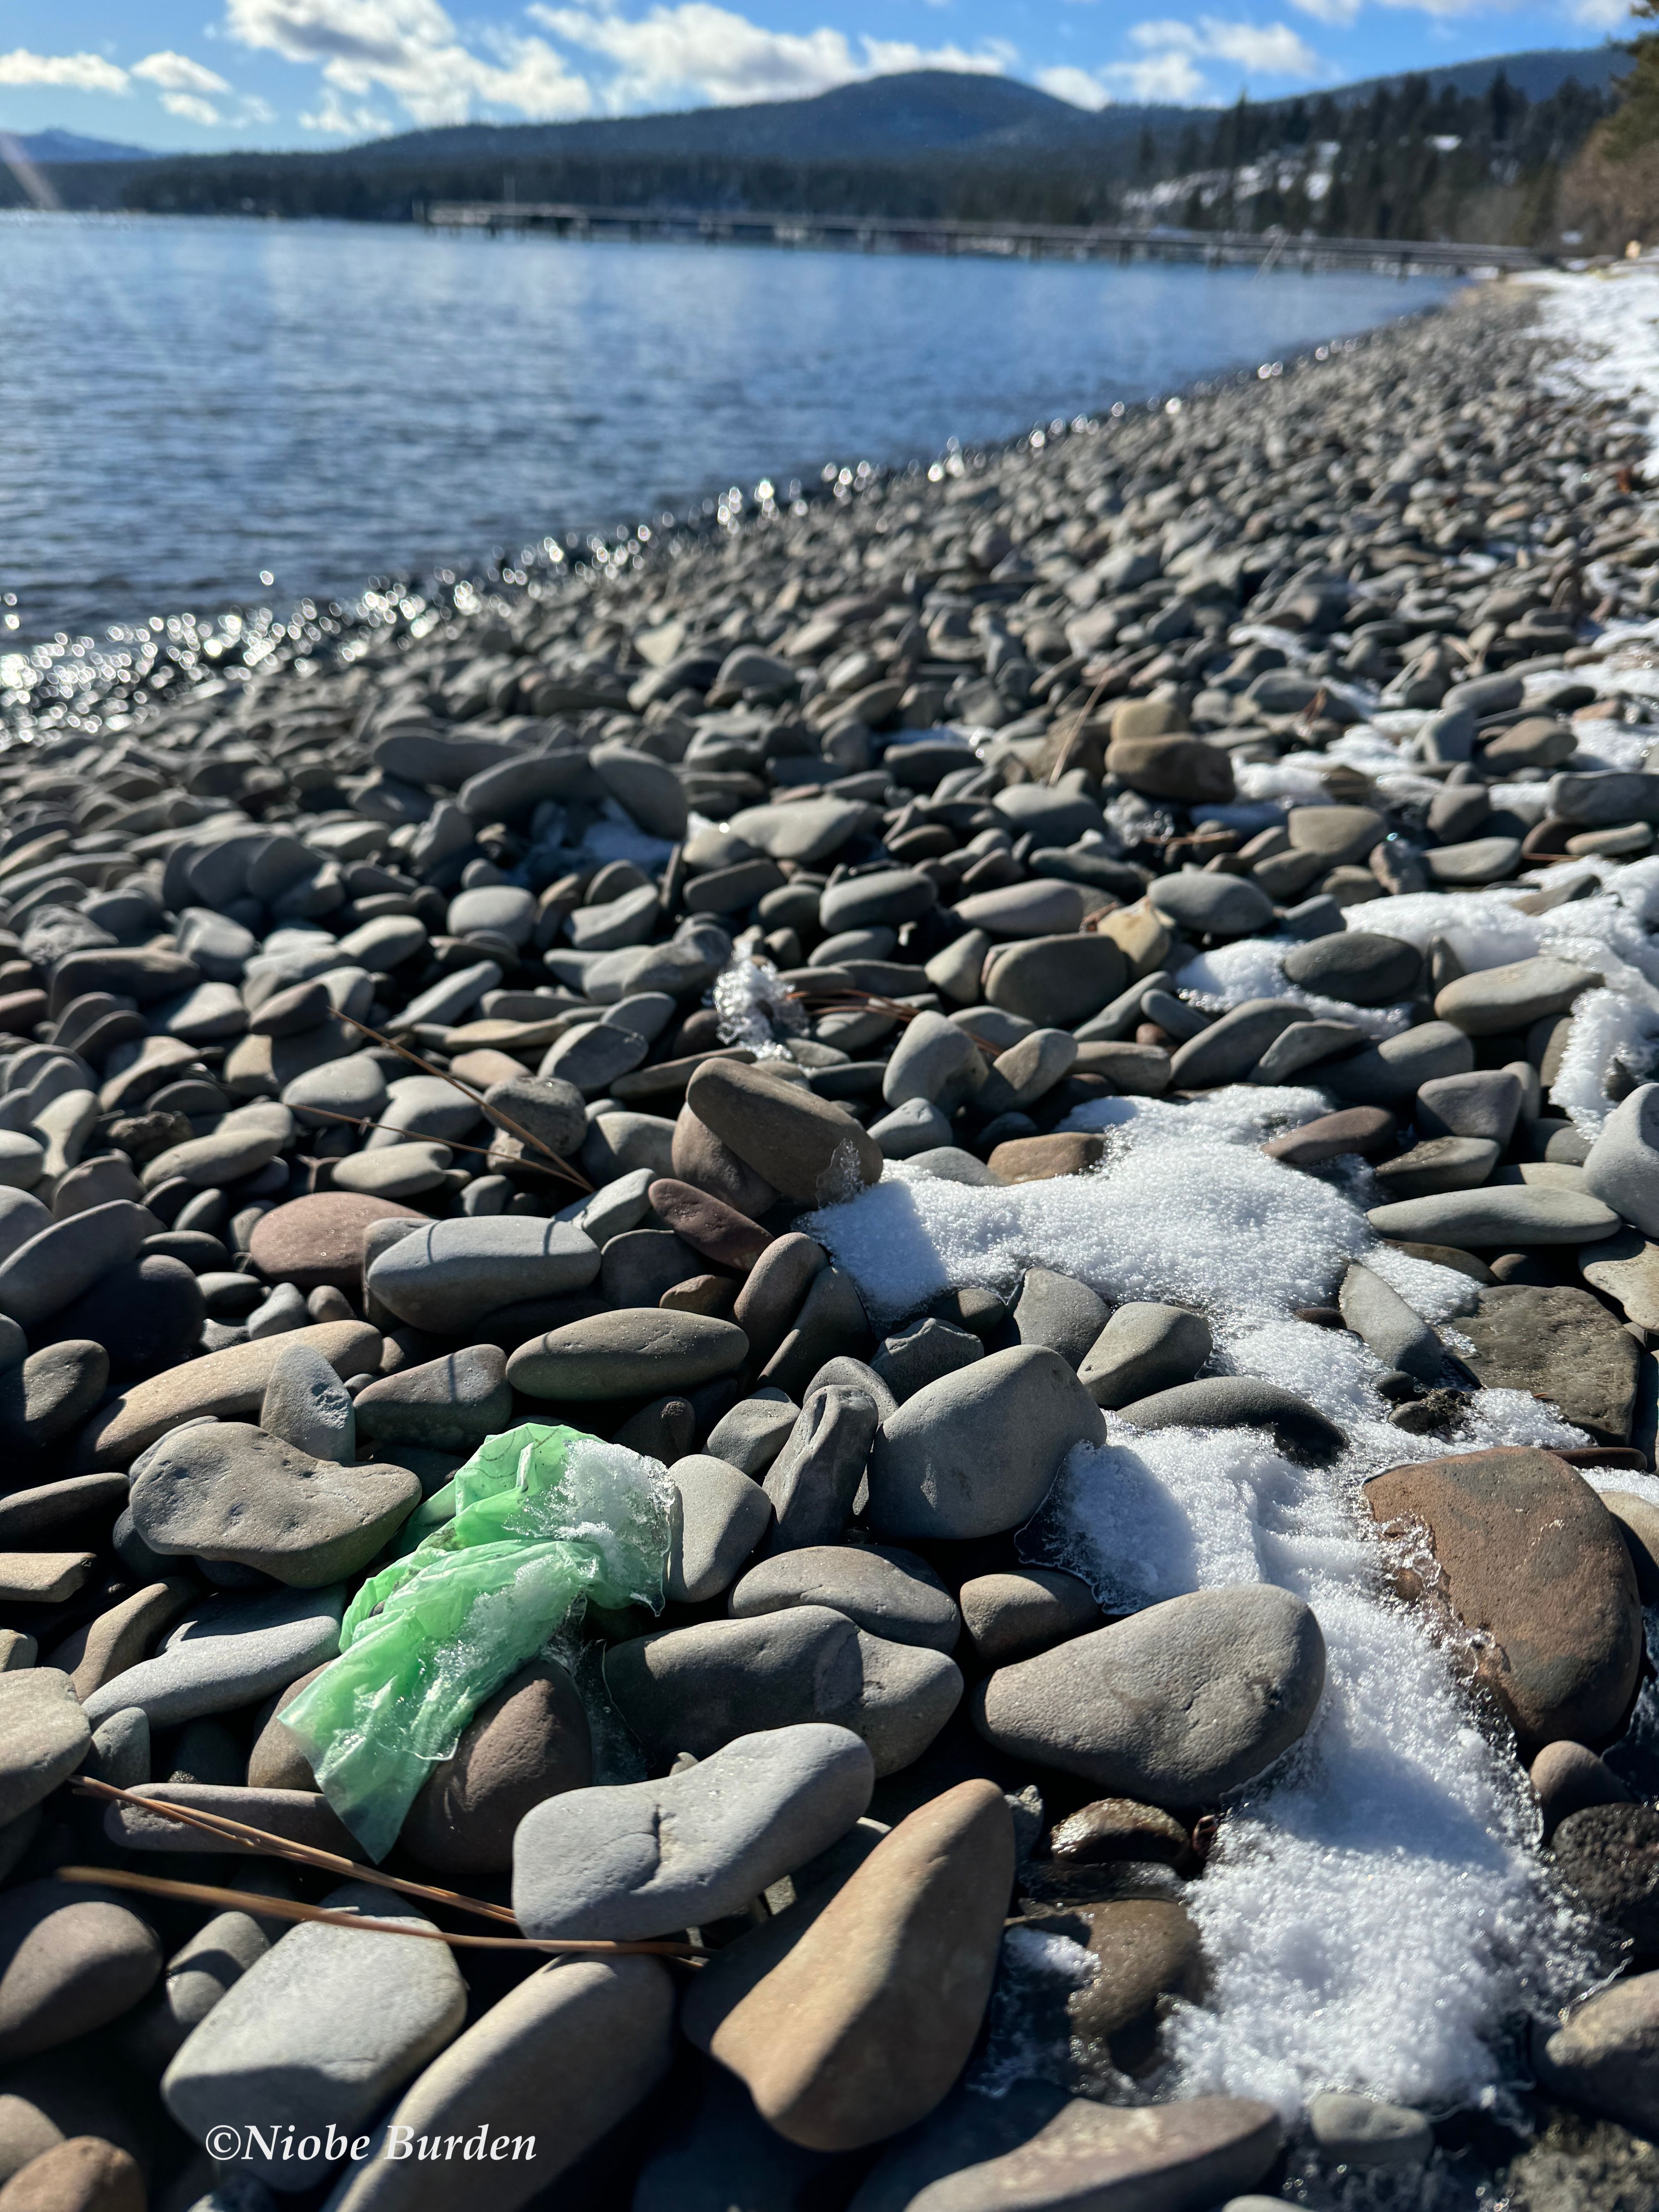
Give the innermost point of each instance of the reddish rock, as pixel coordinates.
(1533, 1563)
(718, 1231)
(317, 1240)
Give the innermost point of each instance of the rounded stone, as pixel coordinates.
(1175, 1705)
(627, 1354)
(528, 1743)
(448, 1275)
(645, 1858)
(1211, 906)
(71, 1961)
(800, 1145)
(976, 1452)
(1357, 966)
(891, 1593)
(318, 1240)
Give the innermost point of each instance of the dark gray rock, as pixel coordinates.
(1235, 1401)
(891, 1594)
(812, 1482)
(695, 1689)
(976, 1452)
(1059, 1313)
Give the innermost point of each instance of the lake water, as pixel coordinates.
(186, 403)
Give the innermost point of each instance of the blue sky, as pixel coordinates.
(207, 74)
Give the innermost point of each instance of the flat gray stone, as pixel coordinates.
(891, 1593)
(638, 1351)
(1228, 1049)
(1494, 1001)
(646, 1858)
(975, 1453)
(71, 1959)
(695, 1689)
(1368, 2132)
(722, 1517)
(228, 1491)
(1438, 1163)
(812, 1482)
(1010, 1616)
(1211, 906)
(1145, 1347)
(923, 1353)
(42, 1276)
(1504, 1215)
(423, 1106)
(1359, 966)
(1399, 1337)
(226, 1653)
(1394, 1069)
(322, 2030)
(447, 1276)
(1563, 1345)
(1232, 1401)
(1485, 1102)
(1173, 1706)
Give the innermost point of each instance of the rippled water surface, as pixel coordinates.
(188, 402)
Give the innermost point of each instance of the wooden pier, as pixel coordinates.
(1025, 241)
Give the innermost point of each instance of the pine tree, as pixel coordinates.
(1636, 123)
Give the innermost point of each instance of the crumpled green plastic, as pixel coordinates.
(545, 1517)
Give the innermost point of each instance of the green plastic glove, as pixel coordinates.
(544, 1518)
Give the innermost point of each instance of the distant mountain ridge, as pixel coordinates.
(1538, 72)
(47, 146)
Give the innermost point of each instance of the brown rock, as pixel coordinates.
(1606, 2055)
(303, 1816)
(276, 1761)
(1012, 1614)
(1113, 1831)
(1366, 1130)
(718, 1231)
(1179, 2157)
(1638, 1523)
(1182, 769)
(850, 2019)
(84, 2174)
(1039, 1159)
(1609, 1857)
(1531, 1560)
(1567, 1778)
(317, 1240)
(700, 1159)
(71, 1960)
(527, 1742)
(1146, 1947)
(1562, 1345)
(771, 1296)
(804, 1146)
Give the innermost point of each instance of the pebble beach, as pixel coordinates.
(830, 1348)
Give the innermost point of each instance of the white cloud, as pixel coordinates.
(1330, 11)
(73, 72)
(1601, 14)
(334, 118)
(1075, 85)
(411, 50)
(178, 73)
(1161, 77)
(192, 106)
(1269, 49)
(695, 51)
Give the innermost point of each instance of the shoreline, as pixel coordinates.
(1051, 1056)
(195, 632)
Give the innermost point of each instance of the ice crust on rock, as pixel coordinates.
(1375, 1916)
